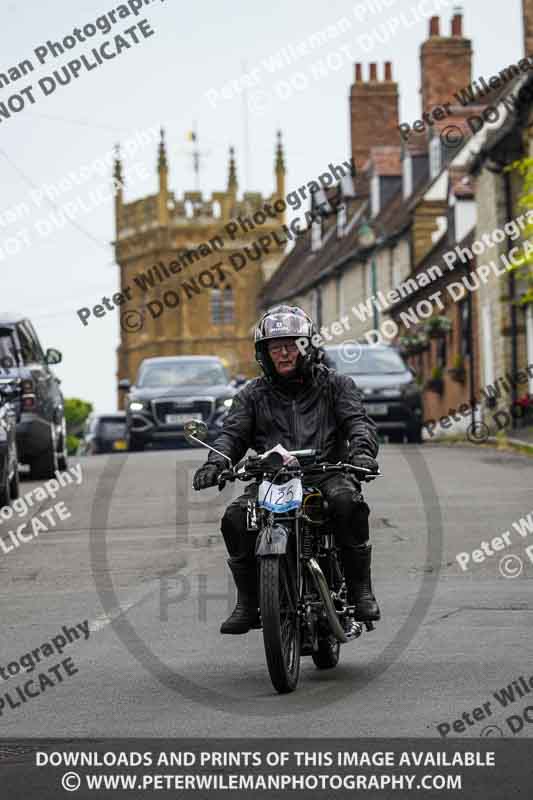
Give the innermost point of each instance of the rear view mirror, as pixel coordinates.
(53, 356)
(195, 430)
(124, 384)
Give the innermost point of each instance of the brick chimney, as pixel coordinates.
(446, 62)
(527, 14)
(373, 112)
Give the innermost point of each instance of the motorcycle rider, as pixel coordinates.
(298, 403)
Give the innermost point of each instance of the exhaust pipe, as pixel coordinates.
(322, 588)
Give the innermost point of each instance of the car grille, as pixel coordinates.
(205, 406)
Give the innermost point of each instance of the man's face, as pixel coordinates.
(284, 354)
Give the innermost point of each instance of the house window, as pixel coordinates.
(374, 195)
(464, 329)
(435, 157)
(407, 177)
(228, 305)
(222, 306)
(442, 352)
(316, 307)
(316, 235)
(369, 290)
(341, 220)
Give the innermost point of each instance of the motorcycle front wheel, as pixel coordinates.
(278, 599)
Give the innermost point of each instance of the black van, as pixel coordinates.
(391, 394)
(41, 429)
(9, 468)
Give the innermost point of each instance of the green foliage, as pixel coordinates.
(436, 374)
(438, 325)
(458, 362)
(414, 344)
(524, 262)
(72, 444)
(76, 412)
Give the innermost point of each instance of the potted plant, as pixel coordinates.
(457, 371)
(404, 344)
(436, 382)
(438, 327)
(415, 344)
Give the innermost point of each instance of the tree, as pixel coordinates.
(76, 412)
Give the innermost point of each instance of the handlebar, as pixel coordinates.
(254, 467)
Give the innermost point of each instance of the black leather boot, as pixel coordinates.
(356, 564)
(245, 615)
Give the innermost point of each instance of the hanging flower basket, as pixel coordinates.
(415, 344)
(438, 327)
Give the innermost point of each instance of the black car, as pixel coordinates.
(104, 433)
(9, 468)
(391, 395)
(171, 390)
(41, 429)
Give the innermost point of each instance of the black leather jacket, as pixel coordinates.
(324, 412)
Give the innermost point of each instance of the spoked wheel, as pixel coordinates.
(281, 624)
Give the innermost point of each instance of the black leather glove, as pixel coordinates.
(362, 460)
(206, 476)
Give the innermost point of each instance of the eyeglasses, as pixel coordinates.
(276, 349)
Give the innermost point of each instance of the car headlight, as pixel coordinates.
(411, 388)
(136, 405)
(225, 405)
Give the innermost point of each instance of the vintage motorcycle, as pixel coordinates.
(302, 592)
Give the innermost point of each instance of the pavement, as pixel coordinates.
(141, 560)
(522, 435)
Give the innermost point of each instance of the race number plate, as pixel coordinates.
(280, 498)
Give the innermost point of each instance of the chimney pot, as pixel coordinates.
(388, 71)
(457, 25)
(358, 72)
(373, 72)
(434, 26)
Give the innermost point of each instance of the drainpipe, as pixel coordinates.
(472, 357)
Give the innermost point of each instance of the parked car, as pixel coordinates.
(41, 429)
(391, 395)
(104, 433)
(171, 390)
(9, 468)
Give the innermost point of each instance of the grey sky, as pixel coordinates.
(197, 47)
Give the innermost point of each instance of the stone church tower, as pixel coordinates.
(191, 268)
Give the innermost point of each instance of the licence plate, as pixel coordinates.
(379, 409)
(179, 419)
(120, 444)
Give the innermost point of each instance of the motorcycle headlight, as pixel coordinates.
(136, 405)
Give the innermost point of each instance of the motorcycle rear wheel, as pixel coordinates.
(327, 655)
(278, 601)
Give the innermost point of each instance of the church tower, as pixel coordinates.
(192, 267)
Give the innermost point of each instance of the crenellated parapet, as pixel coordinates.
(169, 210)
